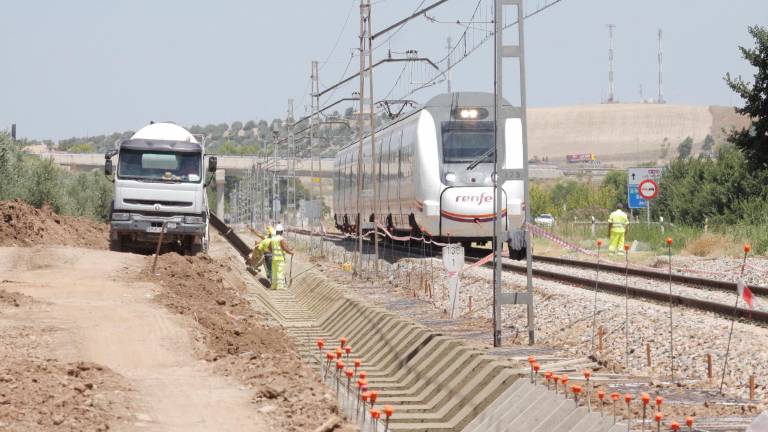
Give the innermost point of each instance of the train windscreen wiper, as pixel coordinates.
(480, 158)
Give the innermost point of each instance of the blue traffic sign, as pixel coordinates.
(634, 200)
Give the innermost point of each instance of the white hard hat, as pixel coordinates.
(279, 227)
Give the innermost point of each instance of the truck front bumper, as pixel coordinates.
(149, 227)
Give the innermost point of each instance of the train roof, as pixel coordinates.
(440, 103)
(459, 99)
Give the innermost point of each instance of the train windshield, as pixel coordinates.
(463, 143)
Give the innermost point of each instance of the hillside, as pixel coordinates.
(619, 134)
(625, 133)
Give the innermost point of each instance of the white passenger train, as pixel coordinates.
(435, 169)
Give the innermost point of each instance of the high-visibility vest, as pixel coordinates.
(618, 220)
(264, 245)
(277, 249)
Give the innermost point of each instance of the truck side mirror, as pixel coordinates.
(108, 167)
(212, 164)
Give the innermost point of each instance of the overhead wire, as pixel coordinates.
(338, 37)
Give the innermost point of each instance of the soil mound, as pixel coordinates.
(24, 225)
(46, 395)
(240, 343)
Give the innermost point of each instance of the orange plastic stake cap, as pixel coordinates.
(339, 352)
(531, 359)
(363, 374)
(388, 410)
(329, 356)
(564, 379)
(350, 373)
(360, 382)
(347, 349)
(675, 426)
(658, 417)
(626, 246)
(669, 240)
(365, 396)
(601, 395)
(343, 341)
(373, 394)
(646, 398)
(599, 242)
(358, 362)
(536, 367)
(627, 398)
(587, 374)
(339, 365)
(548, 375)
(576, 389)
(320, 343)
(375, 413)
(614, 396)
(747, 247)
(689, 421)
(556, 378)
(659, 400)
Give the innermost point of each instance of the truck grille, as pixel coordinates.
(162, 203)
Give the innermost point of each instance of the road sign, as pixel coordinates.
(453, 260)
(648, 189)
(635, 176)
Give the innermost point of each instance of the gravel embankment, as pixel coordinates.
(564, 317)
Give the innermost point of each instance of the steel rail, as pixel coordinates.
(752, 316)
(650, 274)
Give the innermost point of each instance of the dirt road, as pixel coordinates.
(86, 305)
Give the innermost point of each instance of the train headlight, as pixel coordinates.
(468, 114)
(450, 177)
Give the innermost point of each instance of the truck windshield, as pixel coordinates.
(159, 166)
(467, 143)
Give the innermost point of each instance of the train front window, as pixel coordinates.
(463, 144)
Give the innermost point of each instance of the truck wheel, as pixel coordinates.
(191, 247)
(116, 245)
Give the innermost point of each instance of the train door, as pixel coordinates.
(379, 202)
(399, 181)
(388, 178)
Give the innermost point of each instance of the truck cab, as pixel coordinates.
(160, 182)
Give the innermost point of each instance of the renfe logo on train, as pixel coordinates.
(483, 198)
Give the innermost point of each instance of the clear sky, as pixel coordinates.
(77, 67)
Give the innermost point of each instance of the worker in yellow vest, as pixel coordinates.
(279, 248)
(617, 228)
(263, 246)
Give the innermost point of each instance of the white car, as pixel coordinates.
(544, 219)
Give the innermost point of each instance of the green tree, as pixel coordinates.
(615, 187)
(44, 186)
(754, 141)
(84, 147)
(684, 148)
(709, 143)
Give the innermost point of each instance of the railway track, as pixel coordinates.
(752, 316)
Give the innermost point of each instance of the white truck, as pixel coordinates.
(160, 187)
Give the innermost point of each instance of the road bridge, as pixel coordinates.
(232, 165)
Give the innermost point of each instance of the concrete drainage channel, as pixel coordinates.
(433, 382)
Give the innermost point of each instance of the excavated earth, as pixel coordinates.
(92, 340)
(24, 225)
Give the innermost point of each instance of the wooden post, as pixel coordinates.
(751, 387)
(159, 244)
(648, 354)
(709, 366)
(470, 305)
(600, 333)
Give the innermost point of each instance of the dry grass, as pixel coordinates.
(710, 245)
